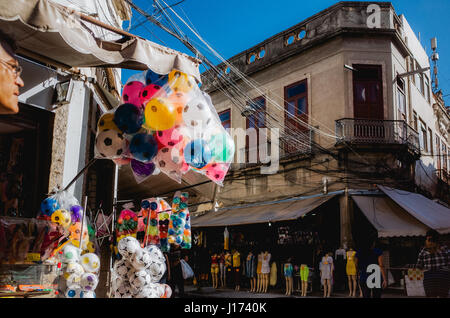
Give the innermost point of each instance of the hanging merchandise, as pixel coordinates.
(165, 124)
(163, 225)
(127, 224)
(179, 225)
(138, 273)
(150, 210)
(226, 239)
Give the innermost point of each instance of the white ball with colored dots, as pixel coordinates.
(73, 291)
(90, 262)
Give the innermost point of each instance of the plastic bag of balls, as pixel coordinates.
(80, 273)
(165, 124)
(138, 273)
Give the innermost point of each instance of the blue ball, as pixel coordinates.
(156, 79)
(153, 206)
(129, 118)
(145, 204)
(143, 147)
(49, 205)
(171, 232)
(197, 153)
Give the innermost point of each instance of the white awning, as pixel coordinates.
(264, 212)
(389, 219)
(45, 29)
(430, 213)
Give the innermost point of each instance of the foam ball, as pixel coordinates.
(128, 118)
(75, 230)
(141, 168)
(73, 268)
(157, 79)
(110, 144)
(148, 92)
(106, 122)
(169, 161)
(49, 205)
(141, 259)
(128, 246)
(156, 270)
(121, 268)
(143, 147)
(87, 294)
(131, 93)
(73, 279)
(170, 137)
(217, 171)
(160, 114)
(90, 262)
(222, 147)
(61, 217)
(180, 82)
(89, 281)
(138, 279)
(155, 253)
(73, 291)
(70, 254)
(197, 153)
(124, 291)
(197, 114)
(179, 100)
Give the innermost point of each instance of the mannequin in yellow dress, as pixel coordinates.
(351, 271)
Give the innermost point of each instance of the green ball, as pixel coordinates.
(222, 148)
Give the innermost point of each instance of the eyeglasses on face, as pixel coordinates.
(17, 69)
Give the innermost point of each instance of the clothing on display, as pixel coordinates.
(265, 263)
(250, 266)
(259, 265)
(288, 270)
(304, 273)
(351, 265)
(273, 274)
(326, 267)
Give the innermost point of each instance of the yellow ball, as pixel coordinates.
(61, 217)
(107, 122)
(180, 82)
(160, 114)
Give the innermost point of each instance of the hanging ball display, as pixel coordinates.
(61, 217)
(197, 153)
(179, 100)
(160, 114)
(141, 168)
(110, 144)
(73, 268)
(197, 115)
(76, 213)
(73, 291)
(222, 148)
(148, 92)
(90, 262)
(49, 205)
(129, 118)
(73, 279)
(70, 253)
(216, 171)
(128, 246)
(143, 147)
(106, 122)
(131, 93)
(87, 294)
(153, 78)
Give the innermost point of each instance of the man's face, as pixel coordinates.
(9, 82)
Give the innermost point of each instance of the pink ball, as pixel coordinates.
(169, 137)
(169, 160)
(132, 92)
(217, 171)
(148, 92)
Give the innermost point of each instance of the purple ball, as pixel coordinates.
(76, 213)
(142, 169)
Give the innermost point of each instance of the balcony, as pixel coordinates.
(377, 132)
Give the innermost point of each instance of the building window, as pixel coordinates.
(444, 157)
(427, 88)
(415, 122)
(430, 138)
(256, 120)
(423, 140)
(401, 100)
(411, 69)
(419, 80)
(225, 118)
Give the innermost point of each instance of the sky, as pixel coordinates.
(232, 26)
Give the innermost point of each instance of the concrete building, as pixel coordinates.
(344, 72)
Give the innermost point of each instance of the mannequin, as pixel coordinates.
(288, 275)
(326, 273)
(228, 267)
(215, 269)
(351, 271)
(237, 269)
(304, 274)
(250, 270)
(222, 269)
(265, 270)
(258, 273)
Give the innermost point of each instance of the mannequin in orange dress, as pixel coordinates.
(258, 273)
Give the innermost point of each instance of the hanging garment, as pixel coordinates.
(273, 275)
(226, 240)
(258, 267)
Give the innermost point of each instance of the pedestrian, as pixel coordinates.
(434, 259)
(176, 273)
(10, 80)
(368, 255)
(326, 273)
(288, 271)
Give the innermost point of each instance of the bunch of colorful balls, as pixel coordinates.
(138, 273)
(165, 123)
(127, 224)
(180, 225)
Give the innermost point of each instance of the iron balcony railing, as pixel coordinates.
(373, 131)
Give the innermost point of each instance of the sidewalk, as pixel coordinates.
(209, 292)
